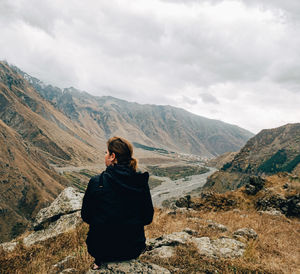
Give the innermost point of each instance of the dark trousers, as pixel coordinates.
(108, 243)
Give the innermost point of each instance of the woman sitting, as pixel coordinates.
(117, 205)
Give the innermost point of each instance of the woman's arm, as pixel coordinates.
(148, 210)
(94, 186)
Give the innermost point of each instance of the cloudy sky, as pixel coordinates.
(236, 61)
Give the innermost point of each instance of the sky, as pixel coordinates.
(234, 60)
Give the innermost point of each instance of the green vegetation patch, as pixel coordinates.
(79, 179)
(177, 172)
(154, 182)
(279, 163)
(160, 150)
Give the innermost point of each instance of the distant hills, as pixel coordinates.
(269, 152)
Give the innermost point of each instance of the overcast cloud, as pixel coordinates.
(236, 61)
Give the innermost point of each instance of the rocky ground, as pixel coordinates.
(213, 233)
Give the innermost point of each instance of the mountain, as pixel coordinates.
(34, 136)
(27, 183)
(166, 127)
(43, 127)
(269, 152)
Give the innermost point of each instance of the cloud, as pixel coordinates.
(208, 98)
(193, 54)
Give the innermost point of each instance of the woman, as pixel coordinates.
(117, 205)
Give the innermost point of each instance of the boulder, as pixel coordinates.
(246, 233)
(169, 240)
(68, 201)
(9, 246)
(62, 225)
(132, 266)
(217, 226)
(254, 185)
(220, 248)
(162, 252)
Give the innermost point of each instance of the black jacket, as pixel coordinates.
(119, 195)
(117, 205)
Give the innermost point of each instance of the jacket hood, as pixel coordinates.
(125, 178)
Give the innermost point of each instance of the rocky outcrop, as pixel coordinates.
(60, 226)
(61, 216)
(254, 185)
(289, 206)
(219, 248)
(132, 266)
(223, 247)
(68, 201)
(245, 234)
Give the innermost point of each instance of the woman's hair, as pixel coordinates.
(123, 150)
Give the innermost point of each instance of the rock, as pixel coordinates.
(132, 266)
(272, 212)
(9, 246)
(68, 201)
(254, 185)
(217, 226)
(62, 225)
(169, 240)
(220, 248)
(63, 265)
(69, 270)
(229, 248)
(190, 231)
(184, 202)
(246, 233)
(205, 246)
(162, 252)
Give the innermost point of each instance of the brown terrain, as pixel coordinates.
(47, 132)
(269, 152)
(274, 248)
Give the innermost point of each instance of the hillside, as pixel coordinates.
(269, 152)
(164, 127)
(34, 137)
(27, 183)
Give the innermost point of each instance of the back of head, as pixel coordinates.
(123, 150)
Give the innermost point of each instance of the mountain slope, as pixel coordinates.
(159, 126)
(27, 183)
(33, 136)
(269, 152)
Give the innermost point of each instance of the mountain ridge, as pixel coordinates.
(164, 126)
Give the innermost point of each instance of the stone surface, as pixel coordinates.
(246, 233)
(9, 246)
(132, 266)
(271, 211)
(62, 225)
(63, 264)
(254, 185)
(217, 226)
(220, 248)
(68, 201)
(69, 270)
(163, 251)
(169, 240)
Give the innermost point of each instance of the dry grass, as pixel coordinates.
(277, 249)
